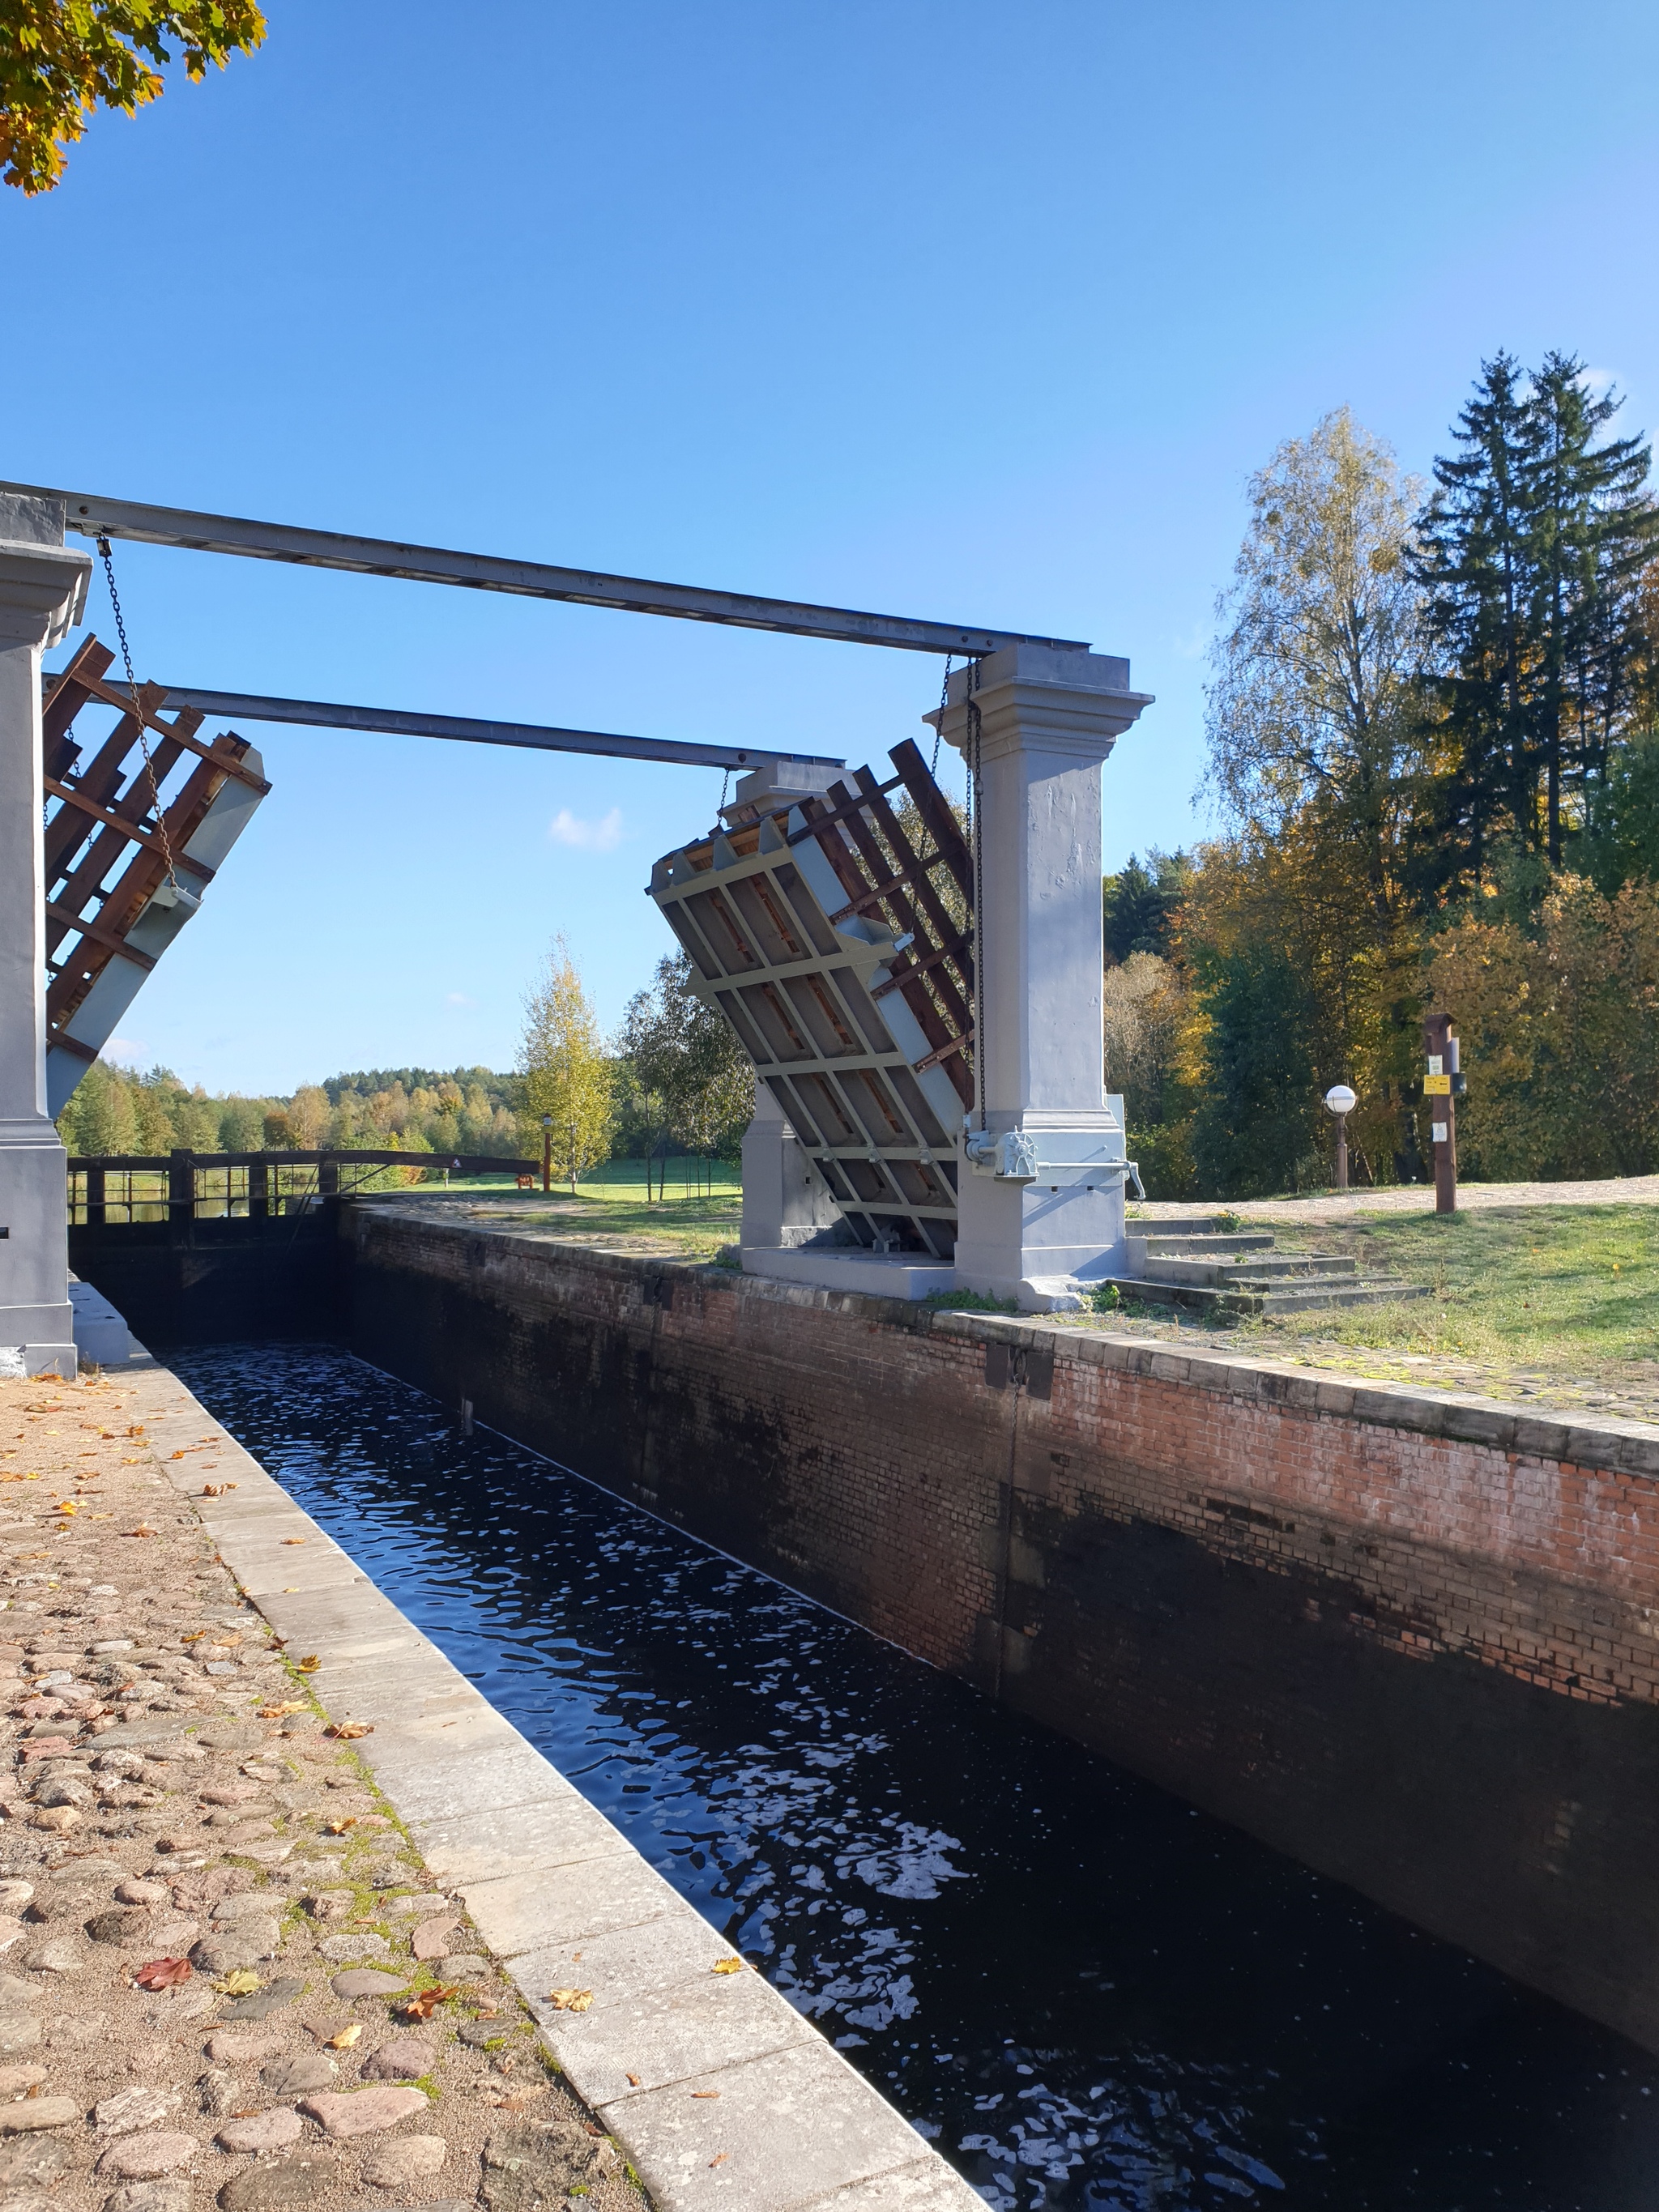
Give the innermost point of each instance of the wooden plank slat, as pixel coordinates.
(72, 796)
(99, 935)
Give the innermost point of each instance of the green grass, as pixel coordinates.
(611, 1207)
(1567, 1288)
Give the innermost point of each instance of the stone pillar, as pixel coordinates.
(43, 589)
(1041, 1205)
(784, 1202)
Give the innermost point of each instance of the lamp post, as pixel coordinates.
(547, 1154)
(1341, 1102)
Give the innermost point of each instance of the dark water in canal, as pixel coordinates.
(1084, 1994)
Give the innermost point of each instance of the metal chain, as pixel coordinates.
(138, 713)
(725, 781)
(944, 702)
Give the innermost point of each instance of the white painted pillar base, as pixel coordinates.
(42, 588)
(1048, 720)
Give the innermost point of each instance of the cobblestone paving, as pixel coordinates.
(224, 1974)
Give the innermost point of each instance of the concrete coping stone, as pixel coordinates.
(1612, 1446)
(541, 1873)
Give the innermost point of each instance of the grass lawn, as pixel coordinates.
(1566, 1287)
(610, 1207)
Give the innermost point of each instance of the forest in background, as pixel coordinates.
(1433, 751)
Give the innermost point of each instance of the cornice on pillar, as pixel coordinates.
(1034, 697)
(43, 585)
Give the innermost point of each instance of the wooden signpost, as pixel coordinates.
(1441, 1087)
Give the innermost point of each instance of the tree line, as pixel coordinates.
(1432, 738)
(672, 1083)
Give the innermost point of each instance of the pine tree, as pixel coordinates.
(1532, 552)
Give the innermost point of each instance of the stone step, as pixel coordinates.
(1176, 1224)
(1249, 1271)
(1183, 1246)
(1303, 1297)
(1372, 1290)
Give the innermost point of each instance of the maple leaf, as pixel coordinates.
(163, 1974)
(570, 2000)
(349, 1731)
(425, 2002)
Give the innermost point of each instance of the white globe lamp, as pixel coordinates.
(1341, 1102)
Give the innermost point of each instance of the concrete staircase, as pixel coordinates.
(1202, 1264)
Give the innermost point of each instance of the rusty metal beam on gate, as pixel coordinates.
(91, 514)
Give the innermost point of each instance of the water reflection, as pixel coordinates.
(1087, 1995)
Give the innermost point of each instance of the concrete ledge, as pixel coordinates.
(867, 1274)
(543, 1874)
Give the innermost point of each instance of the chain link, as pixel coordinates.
(938, 727)
(139, 713)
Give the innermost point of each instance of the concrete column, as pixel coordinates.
(1040, 1206)
(784, 1202)
(43, 589)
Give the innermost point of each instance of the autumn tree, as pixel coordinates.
(1312, 711)
(566, 1075)
(684, 1057)
(60, 60)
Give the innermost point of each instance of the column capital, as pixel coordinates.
(1038, 696)
(43, 584)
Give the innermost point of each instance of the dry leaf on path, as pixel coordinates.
(728, 1966)
(570, 2000)
(347, 2038)
(241, 1983)
(632, 2081)
(164, 1974)
(349, 1731)
(339, 1827)
(719, 2158)
(217, 1489)
(309, 1664)
(294, 1540)
(705, 2093)
(280, 1712)
(425, 2002)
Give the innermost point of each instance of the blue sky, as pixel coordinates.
(972, 311)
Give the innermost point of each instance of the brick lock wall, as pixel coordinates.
(1408, 1641)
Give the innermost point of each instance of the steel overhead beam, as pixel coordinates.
(90, 516)
(388, 721)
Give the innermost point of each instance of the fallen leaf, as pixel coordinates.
(294, 1540)
(143, 1530)
(136, 1429)
(705, 2093)
(66, 1505)
(339, 1827)
(241, 1983)
(719, 2158)
(425, 2002)
(217, 1489)
(309, 1664)
(570, 2000)
(632, 2081)
(349, 1731)
(346, 2039)
(280, 1712)
(164, 1974)
(732, 1966)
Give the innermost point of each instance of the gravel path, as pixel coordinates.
(1471, 1197)
(224, 1973)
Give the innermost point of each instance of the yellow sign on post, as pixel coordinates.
(1437, 1086)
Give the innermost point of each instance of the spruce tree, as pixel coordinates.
(1532, 551)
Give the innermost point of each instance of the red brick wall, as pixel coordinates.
(1405, 1640)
